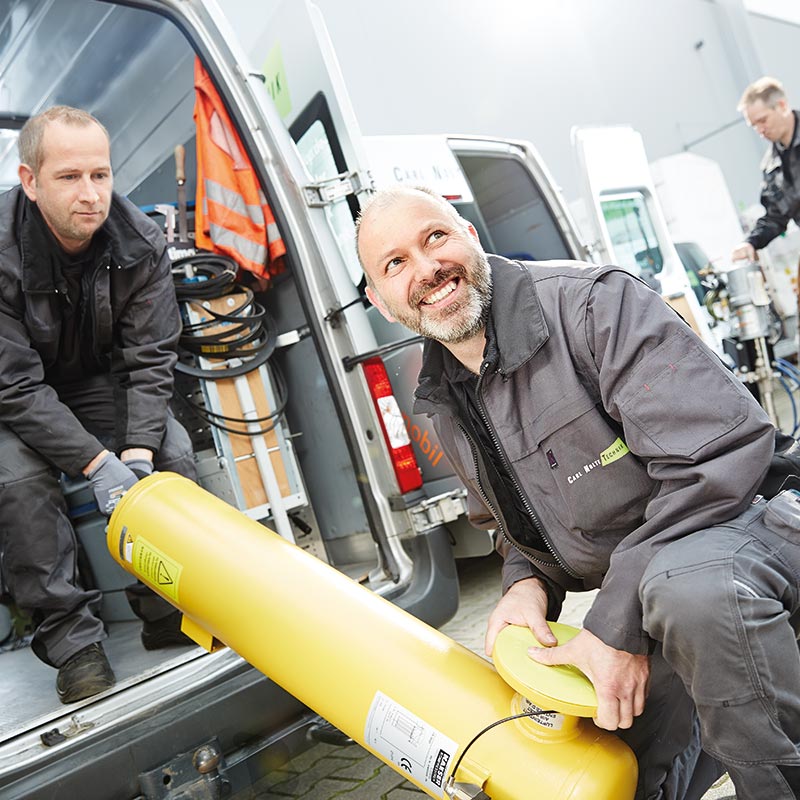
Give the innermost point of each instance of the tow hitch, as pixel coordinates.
(196, 775)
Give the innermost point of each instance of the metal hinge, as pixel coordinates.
(325, 193)
(439, 510)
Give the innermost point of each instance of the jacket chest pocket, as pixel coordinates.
(775, 189)
(43, 323)
(583, 471)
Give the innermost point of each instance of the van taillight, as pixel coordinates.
(393, 425)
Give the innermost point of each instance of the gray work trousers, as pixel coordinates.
(724, 604)
(38, 550)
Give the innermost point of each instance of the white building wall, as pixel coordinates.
(532, 69)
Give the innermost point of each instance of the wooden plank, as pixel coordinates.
(253, 489)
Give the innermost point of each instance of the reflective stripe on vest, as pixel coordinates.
(231, 213)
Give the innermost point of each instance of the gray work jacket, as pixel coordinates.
(622, 429)
(135, 326)
(779, 195)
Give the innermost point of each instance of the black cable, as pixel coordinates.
(247, 333)
(210, 417)
(531, 714)
(251, 334)
(218, 271)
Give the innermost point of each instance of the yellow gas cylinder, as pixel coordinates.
(406, 692)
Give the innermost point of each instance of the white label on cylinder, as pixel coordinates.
(404, 739)
(547, 719)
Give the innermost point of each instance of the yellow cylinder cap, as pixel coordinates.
(563, 688)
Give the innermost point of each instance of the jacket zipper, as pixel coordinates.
(537, 524)
(90, 301)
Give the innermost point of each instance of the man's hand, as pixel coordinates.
(619, 678)
(744, 252)
(110, 479)
(525, 603)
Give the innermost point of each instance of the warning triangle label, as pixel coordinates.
(163, 574)
(156, 568)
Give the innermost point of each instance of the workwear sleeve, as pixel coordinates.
(516, 566)
(702, 436)
(144, 357)
(772, 224)
(766, 229)
(30, 407)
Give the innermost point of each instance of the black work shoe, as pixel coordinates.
(164, 632)
(85, 674)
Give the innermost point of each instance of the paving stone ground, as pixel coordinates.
(326, 772)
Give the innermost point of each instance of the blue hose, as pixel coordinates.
(788, 366)
(785, 373)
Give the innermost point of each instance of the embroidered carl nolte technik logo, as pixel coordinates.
(612, 453)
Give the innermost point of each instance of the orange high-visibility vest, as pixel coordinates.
(231, 213)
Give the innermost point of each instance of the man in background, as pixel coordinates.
(766, 110)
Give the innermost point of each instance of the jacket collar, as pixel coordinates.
(124, 244)
(772, 157)
(519, 330)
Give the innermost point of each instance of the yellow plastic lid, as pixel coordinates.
(563, 688)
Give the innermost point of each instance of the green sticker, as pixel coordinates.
(616, 451)
(275, 75)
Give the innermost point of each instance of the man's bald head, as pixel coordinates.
(386, 198)
(424, 264)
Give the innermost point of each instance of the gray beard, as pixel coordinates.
(467, 322)
(461, 323)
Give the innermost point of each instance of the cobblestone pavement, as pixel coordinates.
(350, 773)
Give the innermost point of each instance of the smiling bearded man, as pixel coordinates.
(451, 302)
(610, 449)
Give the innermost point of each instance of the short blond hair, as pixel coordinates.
(29, 143)
(765, 90)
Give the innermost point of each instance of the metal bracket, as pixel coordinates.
(464, 791)
(56, 735)
(198, 775)
(439, 510)
(327, 192)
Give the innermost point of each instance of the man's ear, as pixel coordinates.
(28, 181)
(373, 297)
(473, 233)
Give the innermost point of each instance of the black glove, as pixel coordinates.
(140, 467)
(110, 479)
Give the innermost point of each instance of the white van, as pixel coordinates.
(348, 492)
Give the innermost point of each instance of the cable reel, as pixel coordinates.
(241, 339)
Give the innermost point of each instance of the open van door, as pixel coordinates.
(620, 207)
(302, 74)
(292, 52)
